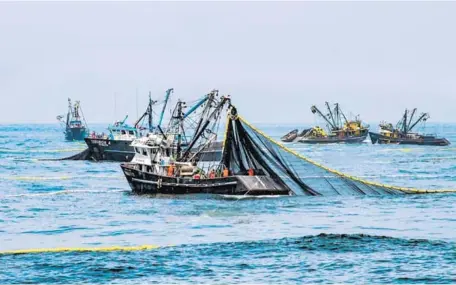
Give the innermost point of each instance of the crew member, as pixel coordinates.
(171, 170)
(250, 172)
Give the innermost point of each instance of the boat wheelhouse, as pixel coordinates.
(124, 132)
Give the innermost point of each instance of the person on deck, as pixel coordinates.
(212, 174)
(225, 173)
(171, 170)
(250, 172)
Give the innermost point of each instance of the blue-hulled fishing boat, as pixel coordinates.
(75, 124)
(115, 146)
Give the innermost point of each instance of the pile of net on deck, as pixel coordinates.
(246, 147)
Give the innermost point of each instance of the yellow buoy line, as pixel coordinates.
(65, 177)
(75, 191)
(42, 150)
(81, 249)
(403, 189)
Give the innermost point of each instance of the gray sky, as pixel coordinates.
(275, 59)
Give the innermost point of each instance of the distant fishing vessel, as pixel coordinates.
(116, 146)
(340, 129)
(402, 133)
(75, 124)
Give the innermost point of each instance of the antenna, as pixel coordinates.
(137, 112)
(115, 106)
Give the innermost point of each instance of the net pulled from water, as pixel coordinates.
(246, 147)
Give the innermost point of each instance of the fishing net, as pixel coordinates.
(246, 148)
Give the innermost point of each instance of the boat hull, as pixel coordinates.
(328, 140)
(425, 140)
(75, 134)
(149, 183)
(110, 150)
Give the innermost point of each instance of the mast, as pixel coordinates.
(69, 112)
(343, 115)
(410, 120)
(210, 99)
(404, 124)
(331, 114)
(149, 110)
(168, 93)
(314, 110)
(180, 127)
(337, 114)
(76, 111)
(198, 134)
(191, 110)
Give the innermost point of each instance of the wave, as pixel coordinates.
(363, 243)
(323, 258)
(320, 242)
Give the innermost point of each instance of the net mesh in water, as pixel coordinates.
(246, 147)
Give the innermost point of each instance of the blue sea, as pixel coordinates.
(218, 240)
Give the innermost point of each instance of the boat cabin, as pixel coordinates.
(158, 155)
(76, 124)
(123, 132)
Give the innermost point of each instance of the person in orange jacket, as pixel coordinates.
(171, 170)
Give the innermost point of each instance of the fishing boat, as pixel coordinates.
(291, 136)
(162, 166)
(403, 132)
(116, 145)
(340, 129)
(75, 125)
(294, 135)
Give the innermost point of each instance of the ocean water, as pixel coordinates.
(213, 239)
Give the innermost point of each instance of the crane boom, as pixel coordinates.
(410, 120)
(330, 114)
(196, 105)
(314, 110)
(422, 116)
(168, 94)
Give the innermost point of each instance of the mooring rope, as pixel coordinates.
(402, 189)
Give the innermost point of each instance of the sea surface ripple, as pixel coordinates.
(216, 239)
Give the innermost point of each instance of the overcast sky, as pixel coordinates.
(275, 59)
